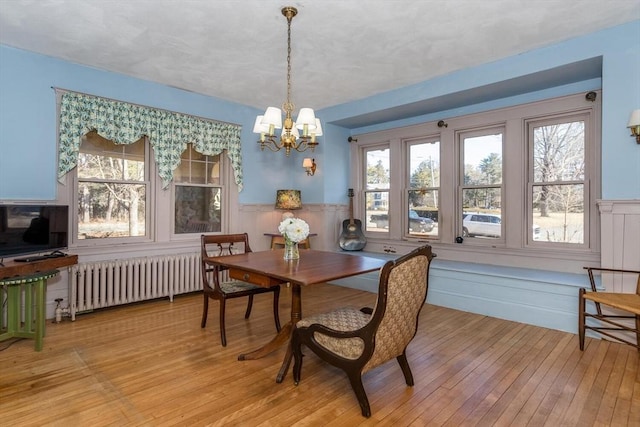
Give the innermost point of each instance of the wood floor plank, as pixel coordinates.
(150, 364)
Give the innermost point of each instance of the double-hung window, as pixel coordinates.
(198, 193)
(376, 189)
(558, 186)
(112, 190)
(423, 187)
(481, 183)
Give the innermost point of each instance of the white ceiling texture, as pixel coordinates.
(342, 50)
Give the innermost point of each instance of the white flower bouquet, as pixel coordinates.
(294, 229)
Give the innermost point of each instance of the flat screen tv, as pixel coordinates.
(34, 228)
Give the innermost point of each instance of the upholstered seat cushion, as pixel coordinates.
(343, 319)
(233, 286)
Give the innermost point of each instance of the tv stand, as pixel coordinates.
(28, 278)
(13, 268)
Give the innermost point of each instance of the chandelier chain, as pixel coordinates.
(288, 106)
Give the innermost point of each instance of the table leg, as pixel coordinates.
(276, 342)
(283, 337)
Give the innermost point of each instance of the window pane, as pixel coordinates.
(484, 225)
(424, 165)
(482, 199)
(423, 212)
(483, 160)
(558, 213)
(197, 209)
(377, 211)
(100, 158)
(558, 153)
(196, 168)
(378, 169)
(111, 210)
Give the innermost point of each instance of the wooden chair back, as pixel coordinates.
(220, 245)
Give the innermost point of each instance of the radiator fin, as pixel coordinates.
(111, 283)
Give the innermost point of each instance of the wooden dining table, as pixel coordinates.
(269, 268)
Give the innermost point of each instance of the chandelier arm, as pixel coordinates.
(272, 145)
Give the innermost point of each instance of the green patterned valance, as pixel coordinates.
(168, 132)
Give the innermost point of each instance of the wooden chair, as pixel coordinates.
(216, 285)
(627, 302)
(357, 341)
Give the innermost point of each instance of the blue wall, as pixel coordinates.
(28, 128)
(619, 48)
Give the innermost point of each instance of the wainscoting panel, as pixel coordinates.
(323, 219)
(535, 297)
(620, 240)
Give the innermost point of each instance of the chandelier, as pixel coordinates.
(306, 122)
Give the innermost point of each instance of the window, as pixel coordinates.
(423, 187)
(376, 195)
(197, 193)
(482, 182)
(112, 188)
(557, 174)
(516, 183)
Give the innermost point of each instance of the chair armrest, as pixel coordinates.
(317, 327)
(590, 271)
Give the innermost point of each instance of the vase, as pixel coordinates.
(291, 250)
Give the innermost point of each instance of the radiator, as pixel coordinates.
(110, 283)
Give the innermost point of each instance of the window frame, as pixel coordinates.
(149, 182)
(160, 202)
(380, 146)
(225, 174)
(460, 136)
(515, 181)
(406, 146)
(588, 197)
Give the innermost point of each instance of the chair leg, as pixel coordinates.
(581, 319)
(205, 310)
(406, 370)
(296, 347)
(355, 378)
(223, 334)
(276, 311)
(638, 331)
(249, 306)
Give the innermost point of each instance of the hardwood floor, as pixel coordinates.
(151, 364)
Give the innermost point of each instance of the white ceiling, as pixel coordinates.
(342, 50)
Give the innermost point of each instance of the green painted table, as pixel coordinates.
(23, 302)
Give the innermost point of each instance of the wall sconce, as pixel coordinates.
(634, 125)
(310, 166)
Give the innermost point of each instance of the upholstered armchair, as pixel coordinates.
(357, 341)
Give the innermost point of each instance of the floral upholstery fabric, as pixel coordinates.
(406, 295)
(236, 286)
(344, 319)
